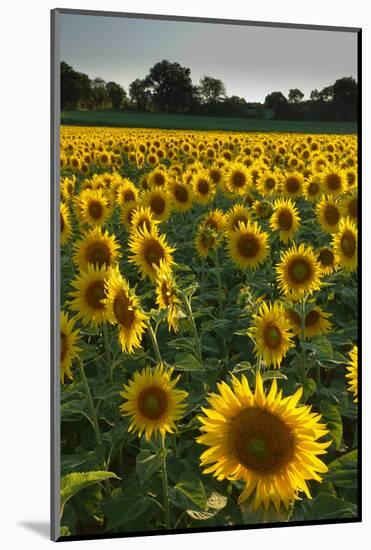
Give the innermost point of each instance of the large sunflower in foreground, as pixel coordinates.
(69, 349)
(159, 202)
(148, 248)
(181, 195)
(345, 245)
(334, 181)
(237, 179)
(96, 248)
(126, 192)
(285, 219)
(153, 402)
(271, 333)
(123, 308)
(328, 214)
(89, 295)
(248, 246)
(93, 207)
(292, 184)
(299, 272)
(266, 440)
(352, 375)
(316, 322)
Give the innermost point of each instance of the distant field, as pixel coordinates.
(188, 122)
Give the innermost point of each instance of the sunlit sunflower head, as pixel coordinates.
(248, 246)
(65, 224)
(299, 273)
(89, 294)
(313, 189)
(166, 294)
(333, 181)
(352, 375)
(316, 322)
(96, 248)
(216, 174)
(237, 179)
(264, 439)
(238, 213)
(206, 240)
(292, 184)
(349, 206)
(127, 214)
(126, 192)
(158, 177)
(215, 219)
(181, 195)
(345, 245)
(328, 214)
(94, 207)
(143, 218)
(203, 187)
(327, 260)
(68, 187)
(69, 348)
(153, 402)
(159, 202)
(123, 309)
(268, 184)
(148, 248)
(285, 219)
(270, 332)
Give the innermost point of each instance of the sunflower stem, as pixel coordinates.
(165, 492)
(187, 304)
(302, 335)
(153, 337)
(219, 279)
(108, 355)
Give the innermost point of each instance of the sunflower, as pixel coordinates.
(206, 239)
(69, 349)
(65, 224)
(327, 260)
(93, 207)
(142, 217)
(345, 245)
(292, 184)
(271, 333)
(261, 209)
(126, 192)
(334, 181)
(299, 272)
(159, 202)
(215, 219)
(313, 189)
(349, 206)
(127, 213)
(68, 187)
(216, 173)
(328, 214)
(268, 441)
(285, 219)
(316, 322)
(238, 213)
(148, 248)
(123, 308)
(248, 246)
(96, 248)
(237, 179)
(89, 295)
(352, 368)
(158, 177)
(166, 294)
(268, 184)
(181, 195)
(203, 187)
(153, 402)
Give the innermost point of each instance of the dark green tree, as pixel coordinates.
(211, 89)
(140, 93)
(172, 88)
(295, 95)
(116, 94)
(75, 87)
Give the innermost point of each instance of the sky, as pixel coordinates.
(251, 61)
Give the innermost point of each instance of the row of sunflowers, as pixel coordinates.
(208, 329)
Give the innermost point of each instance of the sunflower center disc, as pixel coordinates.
(153, 253)
(63, 346)
(299, 271)
(248, 246)
(261, 441)
(313, 188)
(333, 181)
(272, 337)
(181, 194)
(332, 214)
(95, 209)
(270, 183)
(285, 220)
(124, 315)
(158, 205)
(292, 185)
(98, 254)
(159, 179)
(94, 294)
(312, 318)
(238, 179)
(239, 219)
(326, 257)
(203, 187)
(129, 196)
(62, 224)
(152, 403)
(348, 244)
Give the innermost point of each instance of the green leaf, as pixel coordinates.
(323, 506)
(320, 346)
(191, 486)
(343, 472)
(309, 389)
(126, 506)
(331, 415)
(74, 482)
(272, 374)
(186, 362)
(148, 463)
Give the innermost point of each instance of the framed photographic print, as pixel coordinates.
(205, 329)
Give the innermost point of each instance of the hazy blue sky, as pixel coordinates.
(251, 61)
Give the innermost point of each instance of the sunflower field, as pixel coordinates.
(209, 358)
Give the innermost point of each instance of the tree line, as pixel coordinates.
(168, 88)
